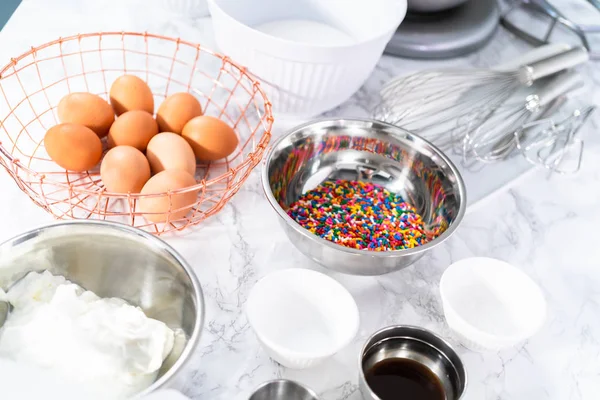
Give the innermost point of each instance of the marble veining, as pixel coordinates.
(547, 225)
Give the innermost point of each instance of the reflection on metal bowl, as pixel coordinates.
(363, 150)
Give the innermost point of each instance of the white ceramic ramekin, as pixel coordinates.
(301, 317)
(491, 305)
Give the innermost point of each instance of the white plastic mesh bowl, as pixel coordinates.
(303, 80)
(491, 305)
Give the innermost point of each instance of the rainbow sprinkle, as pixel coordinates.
(361, 215)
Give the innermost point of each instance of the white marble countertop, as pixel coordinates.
(546, 226)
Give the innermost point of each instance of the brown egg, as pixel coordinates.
(87, 109)
(134, 128)
(73, 147)
(124, 169)
(160, 209)
(129, 93)
(168, 150)
(210, 138)
(176, 111)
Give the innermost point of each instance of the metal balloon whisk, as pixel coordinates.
(445, 105)
(493, 138)
(546, 143)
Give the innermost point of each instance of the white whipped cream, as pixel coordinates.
(105, 344)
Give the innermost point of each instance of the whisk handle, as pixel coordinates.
(567, 59)
(558, 86)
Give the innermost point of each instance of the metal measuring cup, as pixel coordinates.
(419, 345)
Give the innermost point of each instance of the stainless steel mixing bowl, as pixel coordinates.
(364, 150)
(115, 260)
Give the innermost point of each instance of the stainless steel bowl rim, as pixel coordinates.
(366, 345)
(273, 381)
(380, 254)
(194, 339)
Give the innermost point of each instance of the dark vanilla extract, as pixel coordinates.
(401, 378)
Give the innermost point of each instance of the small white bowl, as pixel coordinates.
(301, 317)
(491, 305)
(305, 71)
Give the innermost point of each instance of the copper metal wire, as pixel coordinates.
(32, 84)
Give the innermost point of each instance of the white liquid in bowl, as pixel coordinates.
(305, 31)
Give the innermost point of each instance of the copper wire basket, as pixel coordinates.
(32, 85)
